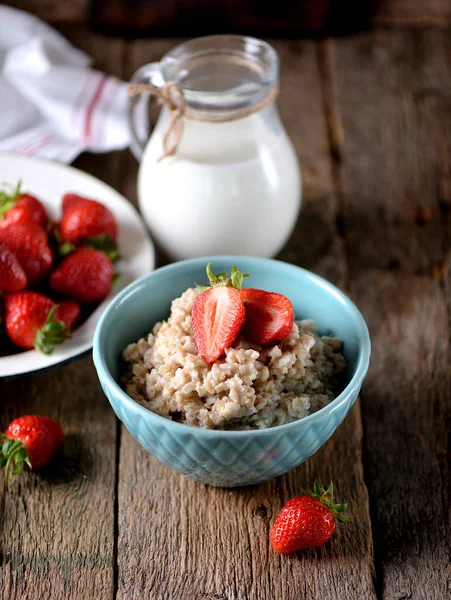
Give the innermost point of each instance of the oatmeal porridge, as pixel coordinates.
(250, 386)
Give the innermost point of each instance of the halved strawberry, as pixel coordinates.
(21, 208)
(12, 275)
(30, 321)
(269, 316)
(218, 314)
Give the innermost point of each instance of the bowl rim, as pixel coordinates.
(353, 385)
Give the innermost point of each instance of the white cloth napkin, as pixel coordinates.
(51, 103)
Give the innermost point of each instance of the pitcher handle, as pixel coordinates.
(138, 118)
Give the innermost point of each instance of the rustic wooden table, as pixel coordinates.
(370, 116)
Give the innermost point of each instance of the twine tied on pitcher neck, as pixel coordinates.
(172, 96)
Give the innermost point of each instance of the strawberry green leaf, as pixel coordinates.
(18, 467)
(318, 488)
(14, 453)
(211, 276)
(237, 278)
(8, 200)
(7, 447)
(51, 333)
(222, 279)
(21, 455)
(105, 244)
(326, 497)
(66, 248)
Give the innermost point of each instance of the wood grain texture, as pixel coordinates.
(58, 526)
(393, 93)
(411, 13)
(179, 539)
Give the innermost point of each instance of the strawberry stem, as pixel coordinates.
(326, 497)
(51, 333)
(12, 452)
(105, 244)
(8, 201)
(66, 248)
(222, 280)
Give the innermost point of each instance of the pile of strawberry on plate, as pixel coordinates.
(52, 274)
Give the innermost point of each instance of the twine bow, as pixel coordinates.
(172, 96)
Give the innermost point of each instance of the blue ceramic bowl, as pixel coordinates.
(229, 458)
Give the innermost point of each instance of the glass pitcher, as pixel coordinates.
(232, 185)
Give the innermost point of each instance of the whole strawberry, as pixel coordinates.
(12, 275)
(85, 275)
(21, 208)
(218, 314)
(32, 321)
(84, 219)
(29, 243)
(307, 521)
(30, 441)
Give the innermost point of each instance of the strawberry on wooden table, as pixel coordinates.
(269, 316)
(31, 321)
(12, 275)
(218, 314)
(307, 521)
(30, 440)
(21, 208)
(85, 275)
(29, 243)
(89, 223)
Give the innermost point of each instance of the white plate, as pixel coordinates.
(49, 181)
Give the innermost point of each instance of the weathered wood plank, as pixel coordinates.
(305, 123)
(411, 13)
(393, 94)
(405, 403)
(58, 526)
(393, 91)
(179, 539)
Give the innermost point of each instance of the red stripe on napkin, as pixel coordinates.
(34, 145)
(113, 87)
(44, 142)
(88, 83)
(95, 99)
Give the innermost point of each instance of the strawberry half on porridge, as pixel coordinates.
(230, 357)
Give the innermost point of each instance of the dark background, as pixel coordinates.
(284, 18)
